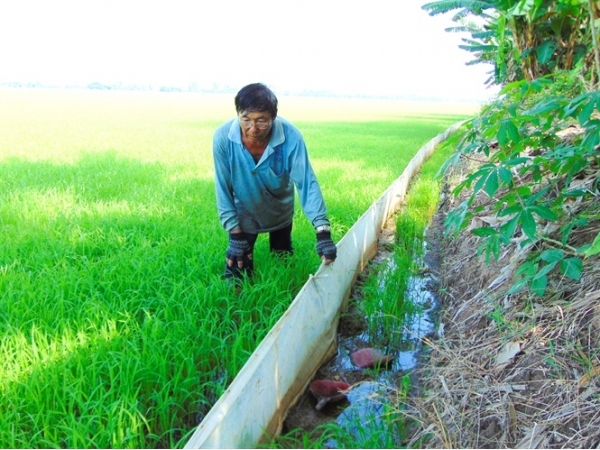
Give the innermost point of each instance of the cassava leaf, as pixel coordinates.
(524, 191)
(545, 270)
(505, 175)
(544, 212)
(585, 113)
(491, 184)
(592, 136)
(574, 105)
(502, 134)
(513, 209)
(575, 193)
(515, 161)
(528, 223)
(572, 267)
(543, 107)
(513, 132)
(484, 231)
(566, 230)
(508, 229)
(491, 245)
(528, 269)
(594, 249)
(535, 197)
(538, 285)
(552, 255)
(518, 285)
(457, 218)
(482, 176)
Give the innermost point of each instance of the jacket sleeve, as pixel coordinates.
(223, 182)
(307, 186)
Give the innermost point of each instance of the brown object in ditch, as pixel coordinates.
(370, 357)
(328, 391)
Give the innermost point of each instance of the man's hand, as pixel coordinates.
(238, 248)
(325, 247)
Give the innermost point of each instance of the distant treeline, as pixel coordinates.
(193, 87)
(216, 88)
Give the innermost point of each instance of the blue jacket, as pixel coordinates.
(259, 197)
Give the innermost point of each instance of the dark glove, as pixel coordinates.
(325, 246)
(238, 247)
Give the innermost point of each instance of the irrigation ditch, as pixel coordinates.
(374, 392)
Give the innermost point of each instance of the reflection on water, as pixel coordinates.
(362, 418)
(374, 393)
(367, 406)
(420, 324)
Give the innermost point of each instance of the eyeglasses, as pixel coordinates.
(261, 124)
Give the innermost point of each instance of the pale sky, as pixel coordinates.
(350, 47)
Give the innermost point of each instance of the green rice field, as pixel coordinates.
(116, 329)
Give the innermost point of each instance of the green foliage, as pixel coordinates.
(530, 178)
(526, 39)
(561, 83)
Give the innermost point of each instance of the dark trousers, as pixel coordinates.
(280, 242)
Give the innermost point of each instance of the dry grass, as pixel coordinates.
(510, 371)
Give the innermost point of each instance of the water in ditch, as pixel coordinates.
(373, 391)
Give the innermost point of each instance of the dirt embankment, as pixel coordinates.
(509, 371)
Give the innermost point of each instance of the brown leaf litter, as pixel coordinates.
(510, 371)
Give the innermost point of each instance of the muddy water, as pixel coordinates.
(372, 390)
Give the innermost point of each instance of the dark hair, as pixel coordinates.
(256, 97)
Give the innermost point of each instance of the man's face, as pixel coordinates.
(255, 125)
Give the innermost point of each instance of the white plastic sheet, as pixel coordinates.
(282, 366)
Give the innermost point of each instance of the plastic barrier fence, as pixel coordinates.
(280, 369)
